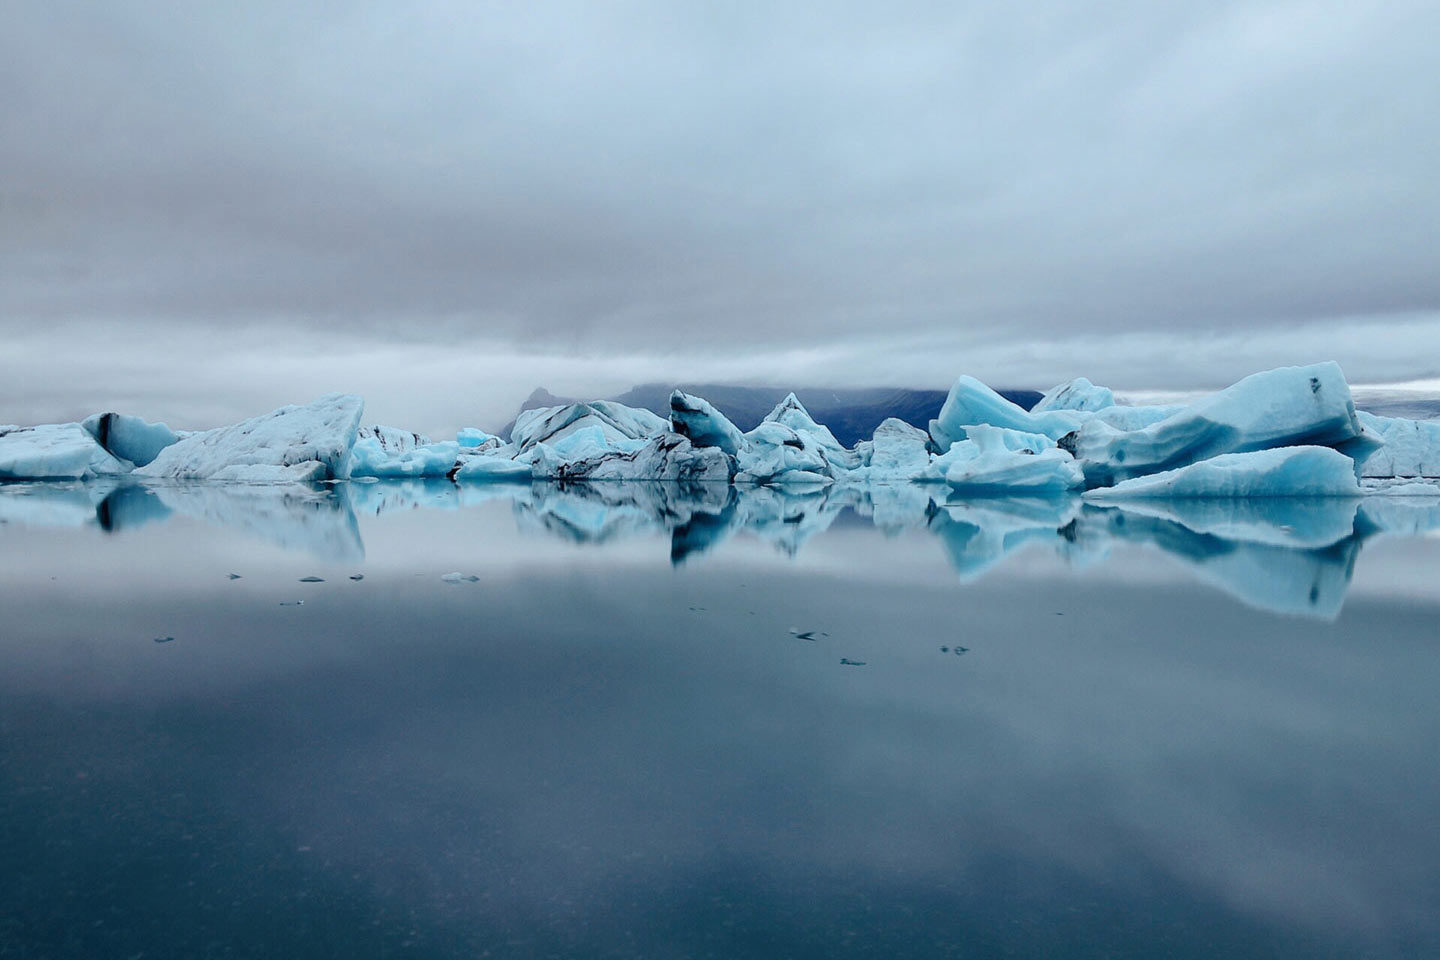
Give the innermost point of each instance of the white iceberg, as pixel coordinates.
(392, 453)
(972, 403)
(666, 457)
(994, 459)
(1412, 447)
(614, 422)
(896, 453)
(1281, 472)
(792, 413)
(1077, 394)
(775, 453)
(55, 451)
(489, 468)
(1289, 406)
(291, 444)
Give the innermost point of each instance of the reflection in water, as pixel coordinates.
(1293, 556)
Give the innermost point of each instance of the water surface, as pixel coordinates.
(669, 723)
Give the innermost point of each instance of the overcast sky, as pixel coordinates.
(210, 209)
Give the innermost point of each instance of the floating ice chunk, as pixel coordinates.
(393, 453)
(490, 467)
(615, 422)
(1289, 406)
(792, 413)
(972, 403)
(898, 452)
(776, 453)
(1078, 394)
(471, 437)
(55, 451)
(667, 457)
(1412, 447)
(1400, 487)
(129, 438)
(703, 425)
(294, 443)
(994, 458)
(1281, 472)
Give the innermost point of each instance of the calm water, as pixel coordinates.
(664, 723)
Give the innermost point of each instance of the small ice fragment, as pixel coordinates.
(312, 579)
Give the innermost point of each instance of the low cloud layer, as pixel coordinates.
(585, 196)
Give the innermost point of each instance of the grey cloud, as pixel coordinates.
(640, 177)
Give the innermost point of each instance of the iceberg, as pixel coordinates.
(666, 457)
(897, 452)
(972, 403)
(490, 468)
(1411, 447)
(294, 443)
(473, 438)
(1289, 406)
(703, 425)
(394, 453)
(776, 453)
(994, 458)
(55, 451)
(129, 438)
(614, 422)
(1078, 394)
(1281, 472)
(791, 413)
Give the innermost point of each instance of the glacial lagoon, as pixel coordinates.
(666, 720)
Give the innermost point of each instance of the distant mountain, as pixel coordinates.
(852, 415)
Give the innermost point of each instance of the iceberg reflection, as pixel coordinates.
(1287, 555)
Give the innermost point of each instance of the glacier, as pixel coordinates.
(1078, 438)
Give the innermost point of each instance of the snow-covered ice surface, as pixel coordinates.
(1411, 447)
(291, 444)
